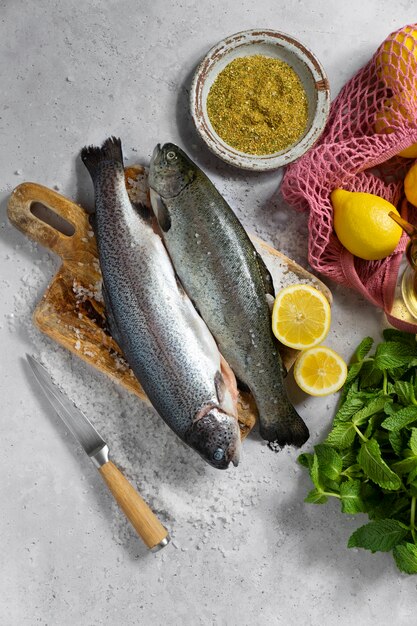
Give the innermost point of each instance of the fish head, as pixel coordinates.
(170, 170)
(215, 435)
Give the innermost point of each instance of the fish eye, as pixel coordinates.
(218, 454)
(171, 155)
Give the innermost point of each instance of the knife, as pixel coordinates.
(143, 520)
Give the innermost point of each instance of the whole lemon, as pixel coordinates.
(410, 184)
(409, 153)
(397, 58)
(393, 112)
(362, 224)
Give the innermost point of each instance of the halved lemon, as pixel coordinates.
(301, 316)
(320, 371)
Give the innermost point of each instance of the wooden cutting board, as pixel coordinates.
(72, 312)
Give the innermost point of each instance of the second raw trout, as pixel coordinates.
(228, 282)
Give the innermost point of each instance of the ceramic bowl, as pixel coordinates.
(269, 43)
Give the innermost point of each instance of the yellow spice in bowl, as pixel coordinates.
(258, 105)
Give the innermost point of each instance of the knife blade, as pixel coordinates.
(145, 522)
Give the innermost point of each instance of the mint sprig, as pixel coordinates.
(379, 536)
(368, 460)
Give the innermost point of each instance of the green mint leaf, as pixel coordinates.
(412, 475)
(391, 407)
(374, 406)
(378, 536)
(351, 402)
(405, 466)
(400, 504)
(348, 458)
(305, 459)
(413, 440)
(371, 495)
(373, 425)
(404, 391)
(384, 505)
(413, 488)
(350, 494)
(329, 461)
(387, 506)
(391, 334)
(329, 485)
(341, 436)
(349, 390)
(390, 355)
(371, 375)
(363, 348)
(398, 372)
(402, 418)
(396, 440)
(353, 471)
(353, 372)
(351, 406)
(314, 472)
(316, 497)
(389, 362)
(405, 555)
(373, 465)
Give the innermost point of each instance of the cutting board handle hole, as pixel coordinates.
(47, 215)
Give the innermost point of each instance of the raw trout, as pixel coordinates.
(164, 340)
(228, 282)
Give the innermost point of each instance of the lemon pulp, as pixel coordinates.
(320, 371)
(301, 316)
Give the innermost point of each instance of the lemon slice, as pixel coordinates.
(301, 316)
(320, 371)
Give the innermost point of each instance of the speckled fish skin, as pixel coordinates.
(227, 281)
(164, 340)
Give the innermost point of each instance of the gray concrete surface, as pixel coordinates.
(247, 551)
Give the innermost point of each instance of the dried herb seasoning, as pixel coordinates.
(258, 105)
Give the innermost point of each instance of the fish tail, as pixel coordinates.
(93, 156)
(288, 429)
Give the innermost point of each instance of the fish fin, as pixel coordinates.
(229, 386)
(144, 211)
(288, 431)
(242, 386)
(93, 156)
(219, 384)
(266, 276)
(164, 217)
(180, 286)
(161, 211)
(184, 294)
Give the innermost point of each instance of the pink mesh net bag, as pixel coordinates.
(373, 118)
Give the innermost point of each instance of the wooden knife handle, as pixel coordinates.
(143, 520)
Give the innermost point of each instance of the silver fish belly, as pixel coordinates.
(228, 282)
(164, 340)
